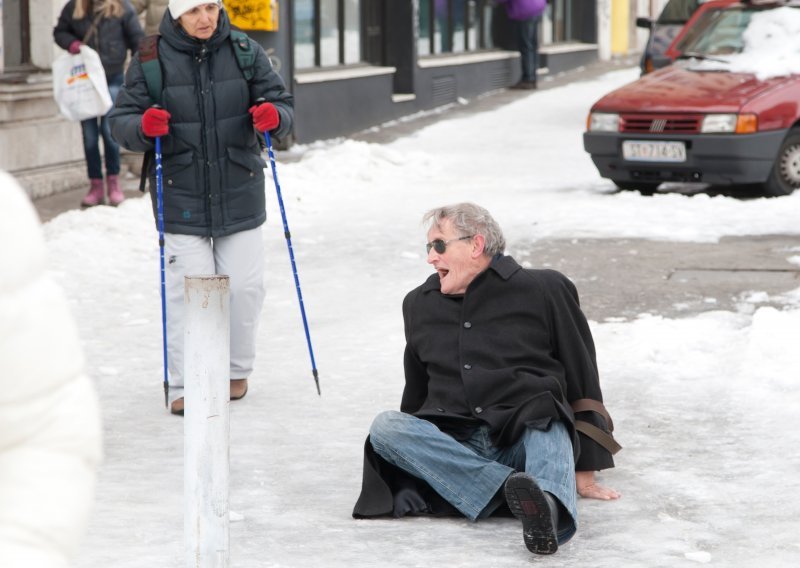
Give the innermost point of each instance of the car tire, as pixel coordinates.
(784, 177)
(643, 187)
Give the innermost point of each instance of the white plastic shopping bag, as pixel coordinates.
(79, 85)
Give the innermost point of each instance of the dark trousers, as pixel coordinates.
(93, 130)
(528, 38)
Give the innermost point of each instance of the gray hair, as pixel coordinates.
(469, 219)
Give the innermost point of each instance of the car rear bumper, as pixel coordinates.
(719, 159)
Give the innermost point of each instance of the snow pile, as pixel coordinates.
(771, 46)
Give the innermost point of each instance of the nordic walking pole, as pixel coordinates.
(160, 203)
(291, 257)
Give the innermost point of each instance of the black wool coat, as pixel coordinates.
(514, 352)
(213, 171)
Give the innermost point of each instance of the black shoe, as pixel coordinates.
(531, 505)
(524, 86)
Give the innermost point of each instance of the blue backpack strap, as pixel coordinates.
(245, 54)
(151, 67)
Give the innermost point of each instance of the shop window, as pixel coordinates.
(565, 20)
(454, 26)
(327, 33)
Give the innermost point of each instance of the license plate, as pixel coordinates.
(642, 151)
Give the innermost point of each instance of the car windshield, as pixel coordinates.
(696, 31)
(720, 32)
(764, 41)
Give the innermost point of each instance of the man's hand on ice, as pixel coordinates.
(588, 488)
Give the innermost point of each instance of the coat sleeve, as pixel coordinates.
(125, 118)
(268, 85)
(64, 33)
(416, 375)
(573, 346)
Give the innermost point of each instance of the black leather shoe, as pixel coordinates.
(536, 509)
(524, 86)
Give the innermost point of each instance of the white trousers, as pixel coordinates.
(239, 256)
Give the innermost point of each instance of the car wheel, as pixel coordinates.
(643, 187)
(785, 175)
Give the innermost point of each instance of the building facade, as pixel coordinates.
(351, 64)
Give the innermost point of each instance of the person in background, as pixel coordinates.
(153, 13)
(502, 403)
(525, 14)
(50, 430)
(111, 28)
(209, 121)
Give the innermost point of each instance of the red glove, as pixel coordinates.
(75, 47)
(265, 117)
(155, 122)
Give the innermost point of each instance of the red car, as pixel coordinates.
(727, 113)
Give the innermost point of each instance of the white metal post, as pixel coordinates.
(206, 421)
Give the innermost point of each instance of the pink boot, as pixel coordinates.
(115, 195)
(95, 195)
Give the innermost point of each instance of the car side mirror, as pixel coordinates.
(644, 23)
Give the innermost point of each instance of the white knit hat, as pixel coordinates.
(178, 8)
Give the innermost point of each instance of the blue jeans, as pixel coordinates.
(528, 37)
(471, 474)
(93, 129)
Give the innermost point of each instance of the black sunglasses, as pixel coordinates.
(440, 246)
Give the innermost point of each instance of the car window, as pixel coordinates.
(677, 11)
(699, 27)
(721, 35)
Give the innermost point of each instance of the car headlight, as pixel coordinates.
(718, 123)
(603, 122)
(745, 123)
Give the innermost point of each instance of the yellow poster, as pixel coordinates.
(253, 14)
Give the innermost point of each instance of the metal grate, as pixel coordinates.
(444, 90)
(661, 123)
(499, 76)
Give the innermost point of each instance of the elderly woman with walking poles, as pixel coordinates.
(218, 91)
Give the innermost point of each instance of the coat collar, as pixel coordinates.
(502, 265)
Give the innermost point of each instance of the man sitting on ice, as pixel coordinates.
(502, 402)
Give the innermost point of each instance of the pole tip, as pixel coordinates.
(316, 380)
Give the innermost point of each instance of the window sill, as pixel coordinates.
(467, 58)
(571, 47)
(304, 77)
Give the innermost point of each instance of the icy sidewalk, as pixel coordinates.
(702, 404)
